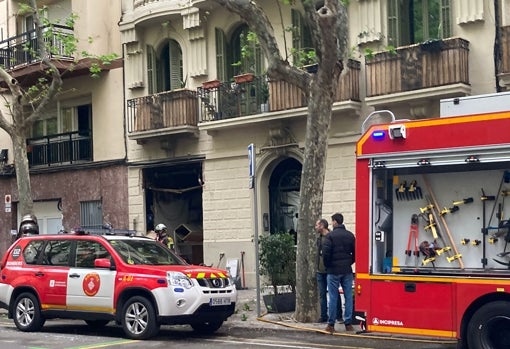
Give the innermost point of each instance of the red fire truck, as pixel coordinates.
(433, 224)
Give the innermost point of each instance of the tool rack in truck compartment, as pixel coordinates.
(433, 225)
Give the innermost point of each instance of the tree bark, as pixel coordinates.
(328, 24)
(24, 112)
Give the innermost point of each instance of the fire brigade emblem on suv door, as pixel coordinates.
(91, 284)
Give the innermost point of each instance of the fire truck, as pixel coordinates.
(433, 223)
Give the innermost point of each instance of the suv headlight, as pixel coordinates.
(179, 279)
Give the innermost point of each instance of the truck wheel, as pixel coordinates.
(207, 327)
(27, 313)
(489, 327)
(139, 318)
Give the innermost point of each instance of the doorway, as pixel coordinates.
(284, 199)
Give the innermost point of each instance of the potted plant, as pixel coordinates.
(278, 265)
(306, 59)
(249, 46)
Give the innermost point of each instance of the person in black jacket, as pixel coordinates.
(338, 254)
(321, 227)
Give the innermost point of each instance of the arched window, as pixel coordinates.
(284, 198)
(229, 58)
(164, 67)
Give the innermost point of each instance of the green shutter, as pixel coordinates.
(446, 19)
(221, 49)
(151, 65)
(175, 65)
(393, 39)
(297, 29)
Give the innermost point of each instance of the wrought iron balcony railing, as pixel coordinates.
(22, 49)
(232, 100)
(419, 66)
(162, 111)
(60, 149)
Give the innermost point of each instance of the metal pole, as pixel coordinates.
(252, 185)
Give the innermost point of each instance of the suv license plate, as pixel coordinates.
(219, 301)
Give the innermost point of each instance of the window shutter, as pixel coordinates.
(221, 49)
(393, 32)
(446, 19)
(297, 30)
(151, 71)
(175, 65)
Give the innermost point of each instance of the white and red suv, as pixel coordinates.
(134, 281)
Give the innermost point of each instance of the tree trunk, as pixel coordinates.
(328, 25)
(26, 204)
(311, 194)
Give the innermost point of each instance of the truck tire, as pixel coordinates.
(207, 327)
(489, 328)
(139, 318)
(27, 313)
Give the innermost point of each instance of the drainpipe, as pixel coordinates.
(497, 43)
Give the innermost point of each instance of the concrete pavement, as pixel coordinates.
(246, 316)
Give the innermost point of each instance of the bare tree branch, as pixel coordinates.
(277, 68)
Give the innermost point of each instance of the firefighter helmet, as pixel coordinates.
(160, 227)
(28, 225)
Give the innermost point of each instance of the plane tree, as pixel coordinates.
(327, 22)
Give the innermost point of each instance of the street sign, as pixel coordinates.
(8, 203)
(251, 165)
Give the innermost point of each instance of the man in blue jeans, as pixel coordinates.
(321, 227)
(338, 253)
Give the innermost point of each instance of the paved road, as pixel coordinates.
(71, 334)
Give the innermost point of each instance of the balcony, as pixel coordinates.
(60, 149)
(260, 99)
(437, 69)
(19, 58)
(162, 114)
(20, 50)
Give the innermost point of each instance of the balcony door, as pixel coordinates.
(229, 59)
(63, 135)
(415, 21)
(165, 67)
(284, 198)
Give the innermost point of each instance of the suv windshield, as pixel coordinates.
(146, 252)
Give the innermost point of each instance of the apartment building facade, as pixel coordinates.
(76, 152)
(171, 128)
(189, 123)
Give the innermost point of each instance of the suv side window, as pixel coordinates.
(56, 252)
(33, 251)
(87, 252)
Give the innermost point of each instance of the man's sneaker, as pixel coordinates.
(349, 328)
(340, 321)
(330, 329)
(322, 320)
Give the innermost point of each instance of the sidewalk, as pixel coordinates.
(246, 317)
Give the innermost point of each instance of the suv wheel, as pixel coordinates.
(139, 318)
(27, 313)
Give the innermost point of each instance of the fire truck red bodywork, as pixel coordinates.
(409, 297)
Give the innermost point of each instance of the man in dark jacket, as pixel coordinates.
(338, 253)
(321, 227)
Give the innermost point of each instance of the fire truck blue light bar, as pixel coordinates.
(378, 135)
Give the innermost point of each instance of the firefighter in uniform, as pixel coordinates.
(162, 236)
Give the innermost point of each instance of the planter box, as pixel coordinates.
(281, 303)
(240, 79)
(211, 84)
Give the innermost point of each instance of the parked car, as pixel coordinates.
(135, 281)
